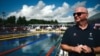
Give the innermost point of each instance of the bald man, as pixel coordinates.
(81, 39)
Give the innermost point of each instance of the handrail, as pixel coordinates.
(53, 47)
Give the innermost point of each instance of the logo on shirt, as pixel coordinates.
(90, 36)
(74, 34)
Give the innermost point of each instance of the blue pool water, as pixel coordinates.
(36, 45)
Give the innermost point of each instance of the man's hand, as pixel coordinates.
(86, 49)
(77, 49)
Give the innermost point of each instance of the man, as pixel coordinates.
(81, 39)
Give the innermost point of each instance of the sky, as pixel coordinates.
(60, 10)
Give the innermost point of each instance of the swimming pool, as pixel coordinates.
(36, 45)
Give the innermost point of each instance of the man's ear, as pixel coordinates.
(86, 16)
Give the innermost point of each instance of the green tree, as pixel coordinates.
(56, 21)
(24, 21)
(21, 21)
(35, 21)
(11, 20)
(1, 20)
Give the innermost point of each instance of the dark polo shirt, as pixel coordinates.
(75, 36)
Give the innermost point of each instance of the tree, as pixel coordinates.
(24, 20)
(35, 21)
(11, 20)
(56, 21)
(21, 21)
(3, 17)
(1, 21)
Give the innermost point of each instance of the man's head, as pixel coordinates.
(81, 14)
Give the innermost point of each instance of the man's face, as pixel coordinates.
(80, 14)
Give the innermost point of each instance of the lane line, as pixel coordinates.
(19, 47)
(50, 51)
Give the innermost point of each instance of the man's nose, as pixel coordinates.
(75, 15)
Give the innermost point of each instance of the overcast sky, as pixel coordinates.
(60, 10)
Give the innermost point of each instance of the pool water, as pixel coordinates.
(36, 45)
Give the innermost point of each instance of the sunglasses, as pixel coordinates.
(79, 13)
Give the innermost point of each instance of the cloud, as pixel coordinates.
(51, 12)
(92, 11)
(78, 4)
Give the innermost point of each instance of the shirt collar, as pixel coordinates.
(88, 27)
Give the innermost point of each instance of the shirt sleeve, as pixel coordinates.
(97, 37)
(65, 38)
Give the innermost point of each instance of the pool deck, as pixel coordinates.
(21, 35)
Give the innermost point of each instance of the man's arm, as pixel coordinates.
(68, 48)
(87, 49)
(96, 49)
(97, 41)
